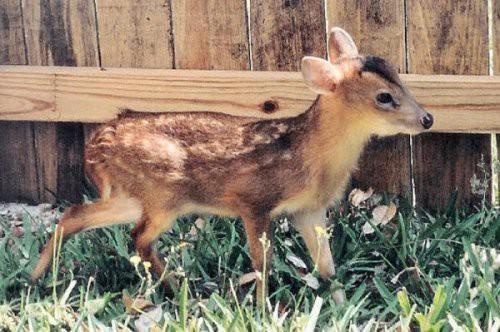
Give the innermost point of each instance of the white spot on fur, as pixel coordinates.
(165, 148)
(102, 144)
(172, 176)
(107, 130)
(128, 139)
(261, 139)
(282, 127)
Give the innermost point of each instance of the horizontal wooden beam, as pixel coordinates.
(468, 104)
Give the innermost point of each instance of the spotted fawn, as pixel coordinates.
(151, 168)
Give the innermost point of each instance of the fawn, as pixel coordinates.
(153, 168)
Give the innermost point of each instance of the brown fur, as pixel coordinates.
(152, 168)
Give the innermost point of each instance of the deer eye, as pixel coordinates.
(385, 98)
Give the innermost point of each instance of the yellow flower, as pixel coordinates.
(135, 260)
(147, 265)
(320, 231)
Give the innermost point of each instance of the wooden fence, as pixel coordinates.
(42, 161)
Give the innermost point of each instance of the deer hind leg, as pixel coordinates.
(145, 233)
(117, 210)
(312, 228)
(255, 227)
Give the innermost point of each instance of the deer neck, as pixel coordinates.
(335, 140)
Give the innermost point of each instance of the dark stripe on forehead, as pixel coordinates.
(382, 68)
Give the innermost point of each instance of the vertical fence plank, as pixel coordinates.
(496, 37)
(18, 178)
(135, 33)
(61, 33)
(219, 38)
(12, 48)
(284, 31)
(496, 69)
(18, 171)
(448, 37)
(378, 28)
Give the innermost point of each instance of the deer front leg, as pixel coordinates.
(255, 227)
(312, 228)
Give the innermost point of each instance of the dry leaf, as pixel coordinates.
(147, 320)
(135, 305)
(367, 228)
(247, 278)
(383, 214)
(127, 301)
(311, 281)
(296, 261)
(198, 224)
(193, 232)
(358, 196)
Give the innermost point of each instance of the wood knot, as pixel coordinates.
(269, 106)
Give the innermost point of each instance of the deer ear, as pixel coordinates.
(340, 44)
(321, 76)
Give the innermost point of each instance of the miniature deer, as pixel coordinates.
(152, 168)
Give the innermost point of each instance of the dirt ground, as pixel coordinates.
(14, 216)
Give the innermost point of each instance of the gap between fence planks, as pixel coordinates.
(461, 104)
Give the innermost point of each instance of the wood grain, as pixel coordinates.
(284, 31)
(12, 47)
(448, 37)
(217, 40)
(135, 33)
(18, 173)
(60, 33)
(496, 71)
(496, 37)
(377, 27)
(18, 168)
(467, 104)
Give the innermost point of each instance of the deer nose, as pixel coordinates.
(427, 121)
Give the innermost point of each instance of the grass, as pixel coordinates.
(431, 271)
